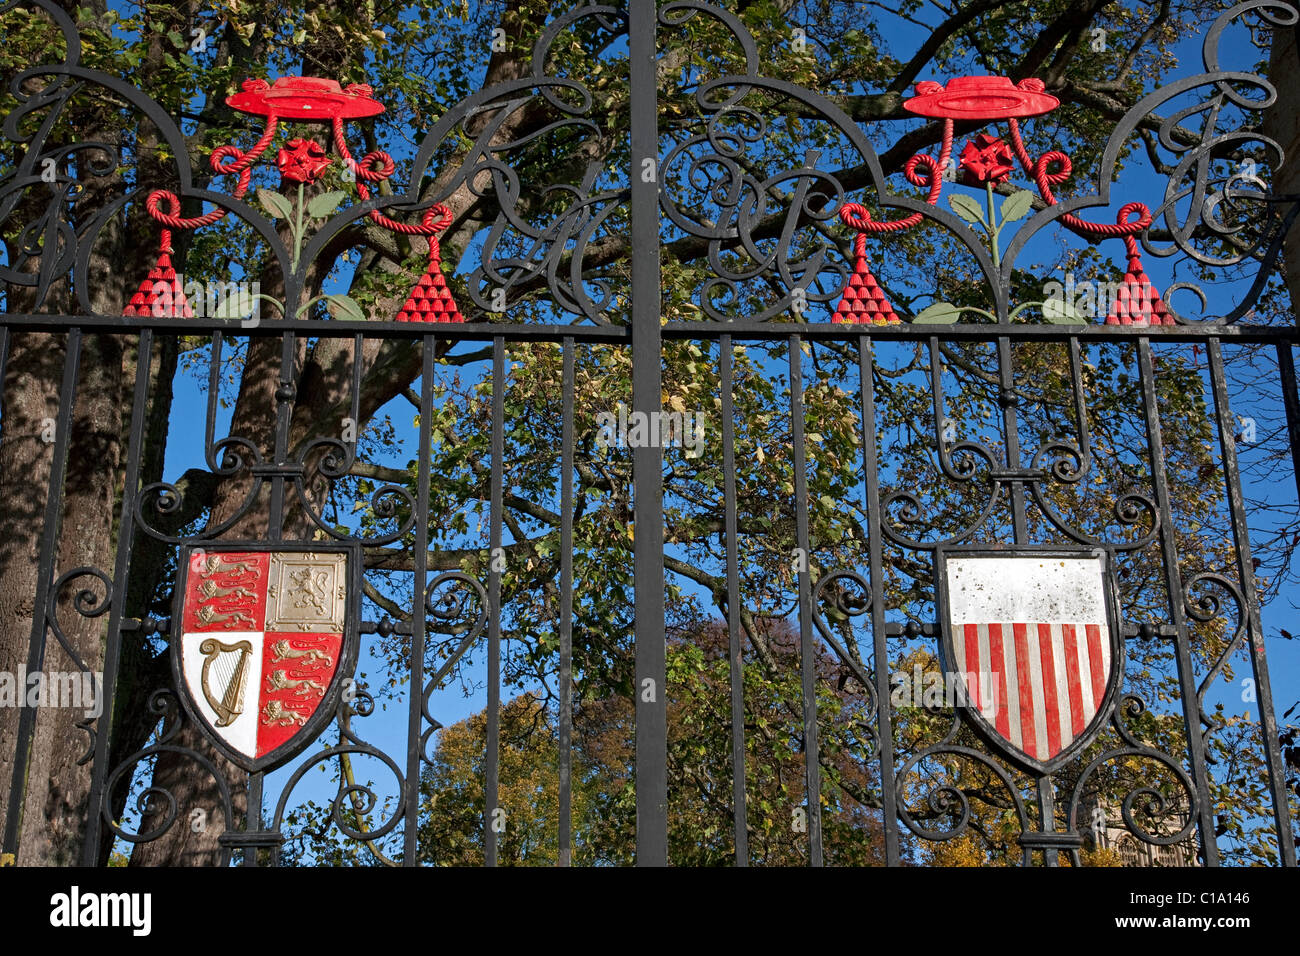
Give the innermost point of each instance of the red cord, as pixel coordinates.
(1046, 180)
(856, 216)
(243, 166)
(379, 165)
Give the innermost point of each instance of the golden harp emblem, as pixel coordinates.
(225, 675)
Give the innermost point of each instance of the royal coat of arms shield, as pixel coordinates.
(1033, 635)
(262, 640)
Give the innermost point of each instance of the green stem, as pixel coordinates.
(995, 227)
(1021, 308)
(308, 304)
(297, 233)
(273, 300)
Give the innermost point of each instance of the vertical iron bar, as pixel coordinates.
(1255, 635)
(807, 643)
(354, 413)
(415, 716)
(1080, 406)
(880, 646)
(44, 579)
(734, 647)
(214, 395)
(1011, 430)
(4, 363)
(647, 462)
(1291, 401)
(285, 396)
(492, 758)
(121, 571)
(254, 821)
(1047, 814)
(1174, 585)
(566, 610)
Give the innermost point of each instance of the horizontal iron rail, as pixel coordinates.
(743, 330)
(472, 331)
(978, 331)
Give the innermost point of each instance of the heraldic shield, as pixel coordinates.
(262, 640)
(1033, 635)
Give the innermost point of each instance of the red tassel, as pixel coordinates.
(161, 294)
(1137, 301)
(430, 299)
(864, 301)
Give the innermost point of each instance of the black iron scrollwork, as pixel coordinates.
(1152, 803)
(838, 598)
(458, 607)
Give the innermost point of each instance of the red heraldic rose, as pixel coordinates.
(986, 159)
(303, 162)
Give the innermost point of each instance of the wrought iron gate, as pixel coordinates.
(1012, 391)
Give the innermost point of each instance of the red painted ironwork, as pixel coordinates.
(305, 98)
(981, 98)
(1139, 303)
(304, 161)
(863, 300)
(241, 164)
(987, 160)
(430, 300)
(931, 178)
(1045, 180)
(225, 161)
(161, 293)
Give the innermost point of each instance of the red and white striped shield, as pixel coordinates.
(1032, 638)
(261, 643)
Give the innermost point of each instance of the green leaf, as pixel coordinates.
(967, 208)
(1017, 205)
(321, 206)
(941, 313)
(1062, 313)
(275, 204)
(345, 308)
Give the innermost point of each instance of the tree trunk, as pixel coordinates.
(56, 798)
(55, 785)
(31, 404)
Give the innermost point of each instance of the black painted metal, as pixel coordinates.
(735, 649)
(565, 836)
(647, 468)
(807, 643)
(1045, 804)
(492, 763)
